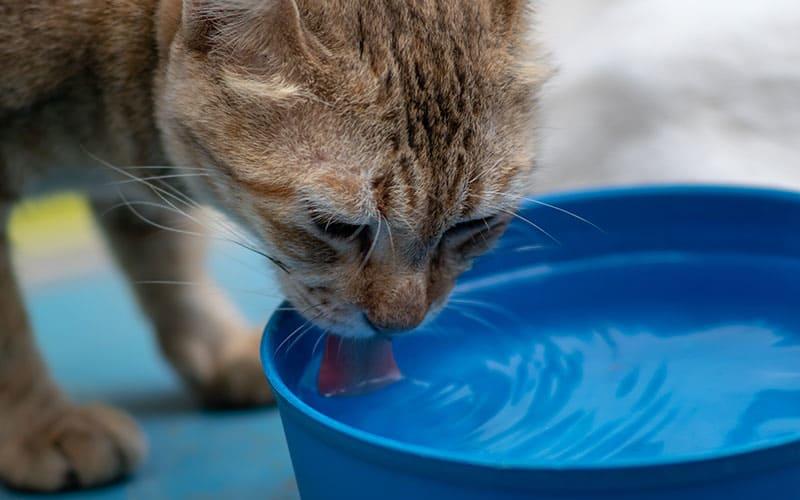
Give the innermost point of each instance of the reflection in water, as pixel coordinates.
(600, 386)
(601, 398)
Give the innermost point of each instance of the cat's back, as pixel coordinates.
(75, 76)
(44, 43)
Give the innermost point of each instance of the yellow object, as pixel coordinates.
(52, 224)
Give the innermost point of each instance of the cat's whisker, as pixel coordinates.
(172, 208)
(168, 168)
(131, 206)
(157, 178)
(289, 337)
(236, 236)
(286, 309)
(298, 338)
(176, 194)
(310, 326)
(512, 213)
(338, 350)
(183, 197)
(485, 305)
(484, 172)
(160, 192)
(551, 206)
(532, 224)
(371, 248)
(567, 212)
(316, 344)
(243, 263)
(475, 318)
(391, 239)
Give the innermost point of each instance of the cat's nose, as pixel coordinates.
(396, 304)
(389, 328)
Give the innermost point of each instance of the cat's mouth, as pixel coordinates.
(350, 324)
(324, 311)
(386, 303)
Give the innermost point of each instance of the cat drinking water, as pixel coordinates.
(372, 148)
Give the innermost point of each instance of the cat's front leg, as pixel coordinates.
(198, 329)
(46, 442)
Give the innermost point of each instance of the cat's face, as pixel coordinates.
(376, 147)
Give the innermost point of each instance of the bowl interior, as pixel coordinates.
(637, 327)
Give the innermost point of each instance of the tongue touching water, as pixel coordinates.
(600, 360)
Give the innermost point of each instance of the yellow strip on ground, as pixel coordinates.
(49, 225)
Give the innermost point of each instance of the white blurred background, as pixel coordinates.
(671, 90)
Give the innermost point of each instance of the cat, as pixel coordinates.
(372, 148)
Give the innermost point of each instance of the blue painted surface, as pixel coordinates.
(658, 358)
(100, 349)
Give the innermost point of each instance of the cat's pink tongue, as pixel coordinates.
(356, 366)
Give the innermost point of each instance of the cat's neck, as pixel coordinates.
(127, 56)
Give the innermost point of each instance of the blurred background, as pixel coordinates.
(646, 91)
(671, 91)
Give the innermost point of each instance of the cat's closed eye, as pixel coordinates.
(336, 229)
(470, 237)
(474, 225)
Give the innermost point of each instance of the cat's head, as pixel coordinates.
(375, 146)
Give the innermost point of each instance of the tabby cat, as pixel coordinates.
(371, 147)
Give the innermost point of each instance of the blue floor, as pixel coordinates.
(100, 349)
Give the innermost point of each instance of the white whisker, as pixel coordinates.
(316, 344)
(288, 337)
(391, 239)
(371, 248)
(551, 206)
(157, 178)
(532, 224)
(175, 194)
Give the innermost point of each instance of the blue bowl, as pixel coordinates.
(632, 343)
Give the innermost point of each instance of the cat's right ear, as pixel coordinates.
(200, 19)
(249, 26)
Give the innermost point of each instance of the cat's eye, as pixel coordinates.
(339, 230)
(471, 226)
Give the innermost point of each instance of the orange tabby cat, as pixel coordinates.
(373, 147)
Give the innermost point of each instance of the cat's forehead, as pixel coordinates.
(414, 111)
(458, 114)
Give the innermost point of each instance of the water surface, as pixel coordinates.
(639, 358)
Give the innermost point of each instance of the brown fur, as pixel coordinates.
(405, 118)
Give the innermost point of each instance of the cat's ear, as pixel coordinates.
(247, 26)
(200, 19)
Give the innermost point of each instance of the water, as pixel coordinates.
(605, 361)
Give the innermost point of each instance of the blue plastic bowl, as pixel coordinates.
(640, 343)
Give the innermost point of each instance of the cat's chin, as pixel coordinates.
(355, 330)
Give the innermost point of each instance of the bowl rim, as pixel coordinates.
(762, 455)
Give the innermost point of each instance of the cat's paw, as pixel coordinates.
(238, 379)
(71, 447)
